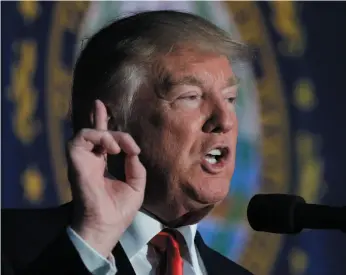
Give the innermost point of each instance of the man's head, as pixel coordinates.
(166, 78)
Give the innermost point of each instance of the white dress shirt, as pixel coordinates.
(143, 258)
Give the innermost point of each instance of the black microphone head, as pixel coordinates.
(274, 213)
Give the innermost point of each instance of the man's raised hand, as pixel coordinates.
(104, 206)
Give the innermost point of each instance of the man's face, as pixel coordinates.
(187, 131)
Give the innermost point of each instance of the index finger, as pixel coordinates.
(100, 116)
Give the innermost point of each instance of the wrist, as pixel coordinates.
(99, 238)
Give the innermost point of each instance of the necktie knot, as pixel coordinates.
(167, 238)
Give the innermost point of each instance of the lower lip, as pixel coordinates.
(213, 168)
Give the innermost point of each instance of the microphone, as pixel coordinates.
(290, 214)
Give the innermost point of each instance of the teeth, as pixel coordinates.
(215, 152)
(211, 160)
(213, 156)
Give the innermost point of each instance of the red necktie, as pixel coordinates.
(167, 243)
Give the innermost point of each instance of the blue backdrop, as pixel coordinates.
(301, 52)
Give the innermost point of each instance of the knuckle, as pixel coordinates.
(122, 135)
(107, 136)
(83, 132)
(107, 139)
(126, 136)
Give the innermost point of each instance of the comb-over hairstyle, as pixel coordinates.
(117, 60)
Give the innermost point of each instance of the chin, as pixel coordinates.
(210, 191)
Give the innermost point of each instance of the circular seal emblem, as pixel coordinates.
(262, 164)
(66, 18)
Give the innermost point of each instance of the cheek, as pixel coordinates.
(234, 137)
(177, 139)
(183, 129)
(235, 124)
(145, 129)
(159, 138)
(166, 135)
(179, 134)
(235, 131)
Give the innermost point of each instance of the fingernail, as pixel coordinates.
(138, 150)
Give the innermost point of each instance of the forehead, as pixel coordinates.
(202, 65)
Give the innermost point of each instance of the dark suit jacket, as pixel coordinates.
(35, 242)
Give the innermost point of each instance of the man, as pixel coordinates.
(155, 130)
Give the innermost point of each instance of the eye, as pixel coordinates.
(231, 95)
(232, 100)
(190, 100)
(190, 97)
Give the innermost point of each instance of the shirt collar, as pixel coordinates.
(143, 228)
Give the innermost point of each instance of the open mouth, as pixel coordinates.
(215, 159)
(216, 155)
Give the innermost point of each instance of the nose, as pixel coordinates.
(221, 119)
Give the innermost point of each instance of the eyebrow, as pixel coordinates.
(233, 81)
(166, 83)
(193, 81)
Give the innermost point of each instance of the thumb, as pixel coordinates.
(135, 173)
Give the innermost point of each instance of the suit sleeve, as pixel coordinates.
(59, 257)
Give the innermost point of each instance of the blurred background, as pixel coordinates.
(292, 108)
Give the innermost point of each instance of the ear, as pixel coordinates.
(113, 125)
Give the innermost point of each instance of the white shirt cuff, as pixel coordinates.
(94, 261)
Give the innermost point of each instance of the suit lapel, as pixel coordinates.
(205, 254)
(213, 264)
(123, 263)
